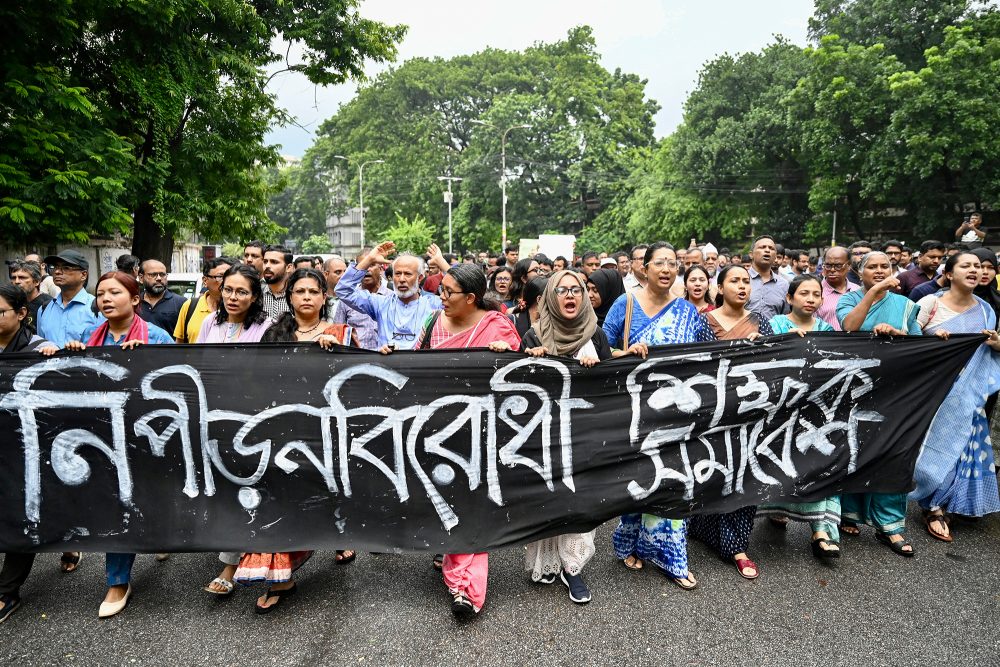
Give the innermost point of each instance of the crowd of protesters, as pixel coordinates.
(590, 307)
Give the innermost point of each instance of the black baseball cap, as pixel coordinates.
(72, 257)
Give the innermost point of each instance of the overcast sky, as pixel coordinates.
(663, 41)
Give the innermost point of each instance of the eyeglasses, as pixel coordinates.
(59, 268)
(241, 293)
(575, 291)
(859, 253)
(5, 311)
(396, 335)
(638, 259)
(660, 263)
(154, 276)
(218, 277)
(447, 293)
(835, 267)
(502, 279)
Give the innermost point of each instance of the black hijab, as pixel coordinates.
(610, 286)
(988, 293)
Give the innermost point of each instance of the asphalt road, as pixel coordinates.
(869, 608)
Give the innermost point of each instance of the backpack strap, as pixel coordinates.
(191, 304)
(629, 304)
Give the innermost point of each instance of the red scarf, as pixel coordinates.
(138, 331)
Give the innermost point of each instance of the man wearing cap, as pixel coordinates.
(67, 316)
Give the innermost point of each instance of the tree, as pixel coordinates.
(588, 127)
(316, 244)
(410, 235)
(179, 86)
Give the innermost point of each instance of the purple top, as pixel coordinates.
(224, 333)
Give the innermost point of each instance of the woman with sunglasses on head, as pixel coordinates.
(240, 319)
(651, 315)
(117, 298)
(878, 309)
(729, 534)
(468, 319)
(305, 321)
(955, 473)
(566, 327)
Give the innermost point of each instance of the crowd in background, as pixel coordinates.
(591, 307)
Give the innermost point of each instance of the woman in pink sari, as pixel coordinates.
(467, 320)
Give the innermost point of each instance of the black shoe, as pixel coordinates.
(462, 607)
(547, 579)
(821, 550)
(10, 604)
(578, 591)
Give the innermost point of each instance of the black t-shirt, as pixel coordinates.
(164, 313)
(33, 307)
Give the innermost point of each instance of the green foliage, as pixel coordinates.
(156, 111)
(234, 250)
(413, 235)
(588, 126)
(316, 244)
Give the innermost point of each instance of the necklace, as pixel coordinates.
(305, 331)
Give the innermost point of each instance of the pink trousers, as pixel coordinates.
(466, 574)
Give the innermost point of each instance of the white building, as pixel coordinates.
(344, 232)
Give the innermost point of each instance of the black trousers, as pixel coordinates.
(16, 568)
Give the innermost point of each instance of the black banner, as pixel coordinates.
(278, 447)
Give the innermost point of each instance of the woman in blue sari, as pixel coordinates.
(638, 319)
(877, 309)
(955, 472)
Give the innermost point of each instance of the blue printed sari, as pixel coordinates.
(955, 470)
(662, 542)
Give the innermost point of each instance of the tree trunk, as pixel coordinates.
(148, 240)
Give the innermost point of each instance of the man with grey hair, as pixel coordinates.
(836, 263)
(399, 315)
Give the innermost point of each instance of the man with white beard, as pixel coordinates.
(401, 314)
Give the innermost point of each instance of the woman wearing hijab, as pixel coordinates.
(604, 286)
(566, 327)
(987, 289)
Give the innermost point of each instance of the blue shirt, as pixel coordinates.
(767, 299)
(59, 324)
(157, 336)
(397, 322)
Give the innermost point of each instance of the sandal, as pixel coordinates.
(227, 587)
(821, 548)
(684, 582)
(69, 562)
(850, 529)
(943, 519)
(462, 607)
(9, 603)
(897, 547)
(438, 561)
(280, 594)
(744, 564)
(345, 556)
(632, 562)
(779, 522)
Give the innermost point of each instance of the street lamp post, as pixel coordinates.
(503, 176)
(448, 199)
(361, 189)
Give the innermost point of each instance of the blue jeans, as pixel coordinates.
(118, 568)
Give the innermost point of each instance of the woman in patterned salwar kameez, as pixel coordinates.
(955, 473)
(652, 316)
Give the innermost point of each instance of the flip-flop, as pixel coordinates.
(70, 564)
(281, 595)
(227, 585)
(636, 562)
(341, 559)
(438, 561)
(683, 582)
(935, 518)
(850, 529)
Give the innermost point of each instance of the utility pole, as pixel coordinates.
(361, 188)
(833, 236)
(503, 175)
(448, 200)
